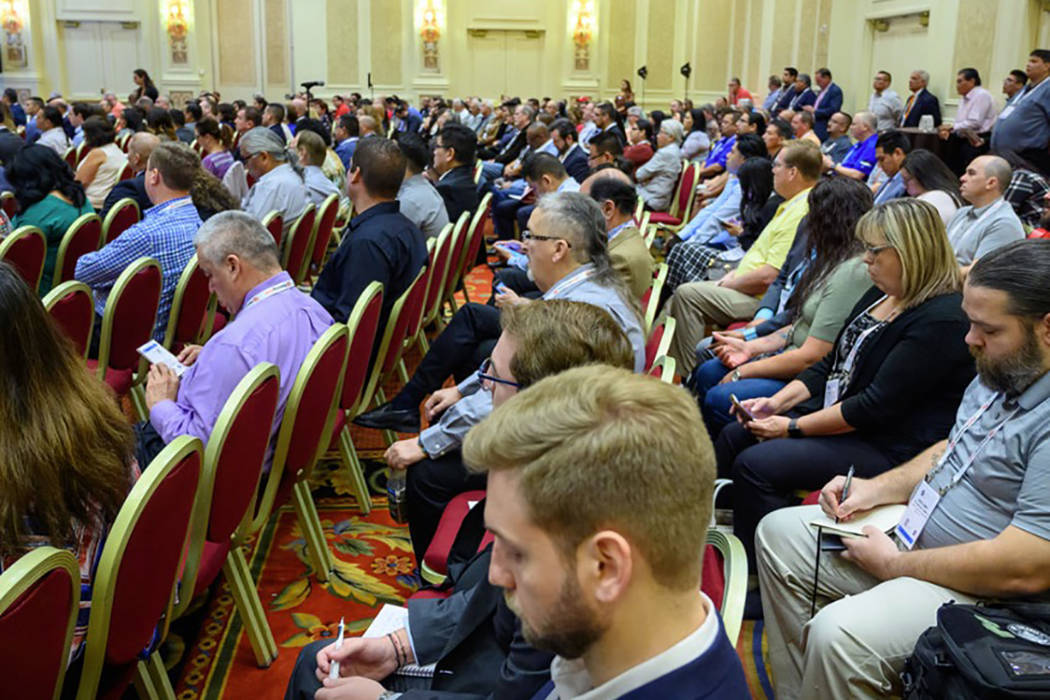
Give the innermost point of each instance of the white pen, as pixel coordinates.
(333, 670)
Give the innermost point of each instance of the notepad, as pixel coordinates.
(157, 354)
(884, 518)
(391, 618)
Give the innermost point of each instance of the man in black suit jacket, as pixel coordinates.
(140, 147)
(920, 102)
(454, 150)
(571, 155)
(605, 118)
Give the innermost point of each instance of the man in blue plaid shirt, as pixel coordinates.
(165, 233)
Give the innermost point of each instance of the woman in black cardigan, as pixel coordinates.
(888, 390)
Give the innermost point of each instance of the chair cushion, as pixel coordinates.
(436, 556)
(212, 559)
(662, 217)
(119, 380)
(812, 499)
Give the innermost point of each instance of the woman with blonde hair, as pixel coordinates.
(67, 454)
(888, 389)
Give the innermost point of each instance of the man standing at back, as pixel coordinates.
(884, 103)
(380, 244)
(611, 588)
(828, 101)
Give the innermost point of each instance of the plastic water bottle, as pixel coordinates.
(395, 491)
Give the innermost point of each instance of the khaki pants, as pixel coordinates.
(697, 304)
(864, 630)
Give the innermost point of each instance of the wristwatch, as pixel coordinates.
(793, 430)
(735, 376)
(389, 695)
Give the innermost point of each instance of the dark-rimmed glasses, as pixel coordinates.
(485, 376)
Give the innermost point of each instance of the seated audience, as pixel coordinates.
(210, 196)
(140, 147)
(379, 244)
(860, 159)
(639, 148)
(491, 657)
(570, 153)
(273, 119)
(191, 114)
(715, 163)
(164, 234)
(776, 91)
(777, 133)
(454, 157)
(989, 221)
(611, 571)
(985, 538)
(278, 187)
(920, 102)
(604, 149)
(159, 122)
(887, 389)
(608, 121)
(52, 135)
(696, 144)
(735, 295)
(272, 321)
(1027, 191)
(100, 169)
(737, 93)
(67, 453)
(838, 143)
(802, 127)
(1023, 126)
(628, 254)
(750, 122)
(926, 177)
(345, 133)
(823, 277)
(216, 142)
(48, 197)
(891, 148)
(884, 103)
(657, 178)
(420, 200)
(311, 151)
(247, 119)
(967, 137)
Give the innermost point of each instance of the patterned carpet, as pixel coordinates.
(374, 565)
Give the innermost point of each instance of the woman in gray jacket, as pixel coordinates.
(657, 178)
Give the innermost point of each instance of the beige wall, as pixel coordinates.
(496, 46)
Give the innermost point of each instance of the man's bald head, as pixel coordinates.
(140, 147)
(997, 167)
(604, 173)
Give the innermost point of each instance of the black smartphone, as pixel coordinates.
(830, 542)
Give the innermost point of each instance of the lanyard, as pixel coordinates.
(569, 282)
(851, 358)
(953, 443)
(177, 204)
(269, 292)
(1024, 95)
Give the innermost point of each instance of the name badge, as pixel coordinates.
(923, 501)
(1006, 112)
(832, 389)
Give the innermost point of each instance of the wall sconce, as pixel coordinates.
(177, 26)
(13, 17)
(880, 25)
(582, 25)
(430, 33)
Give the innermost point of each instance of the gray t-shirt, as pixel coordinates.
(1007, 482)
(825, 309)
(423, 205)
(976, 232)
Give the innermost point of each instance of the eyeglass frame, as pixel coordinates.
(483, 375)
(874, 250)
(530, 236)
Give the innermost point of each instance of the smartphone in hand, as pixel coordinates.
(740, 407)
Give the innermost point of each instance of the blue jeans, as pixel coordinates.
(714, 397)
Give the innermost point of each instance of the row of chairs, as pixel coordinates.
(304, 252)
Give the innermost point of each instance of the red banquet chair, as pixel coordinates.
(136, 574)
(25, 249)
(323, 224)
(434, 567)
(9, 204)
(682, 203)
(39, 602)
(82, 237)
(190, 308)
(299, 247)
(72, 306)
(274, 223)
(122, 216)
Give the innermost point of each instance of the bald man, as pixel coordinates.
(140, 147)
(989, 222)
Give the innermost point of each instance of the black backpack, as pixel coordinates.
(982, 651)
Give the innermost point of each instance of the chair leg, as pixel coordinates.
(423, 343)
(143, 681)
(452, 302)
(246, 597)
(357, 475)
(313, 532)
(161, 682)
(402, 370)
(466, 295)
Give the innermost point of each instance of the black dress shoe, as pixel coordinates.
(386, 417)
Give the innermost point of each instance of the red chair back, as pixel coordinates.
(652, 344)
(35, 627)
(361, 344)
(127, 172)
(147, 567)
(189, 307)
(71, 157)
(323, 234)
(83, 237)
(275, 225)
(9, 204)
(299, 248)
(126, 216)
(460, 233)
(474, 237)
(73, 309)
(440, 260)
(685, 189)
(25, 249)
(239, 462)
(713, 581)
(407, 322)
(134, 317)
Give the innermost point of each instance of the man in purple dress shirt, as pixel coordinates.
(272, 322)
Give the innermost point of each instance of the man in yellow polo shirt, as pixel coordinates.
(735, 297)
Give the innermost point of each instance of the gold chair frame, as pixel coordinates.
(19, 234)
(734, 567)
(111, 216)
(60, 291)
(67, 237)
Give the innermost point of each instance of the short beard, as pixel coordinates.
(570, 628)
(1013, 374)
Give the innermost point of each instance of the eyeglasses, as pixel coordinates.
(483, 375)
(530, 236)
(874, 250)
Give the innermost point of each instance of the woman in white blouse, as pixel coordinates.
(100, 169)
(926, 177)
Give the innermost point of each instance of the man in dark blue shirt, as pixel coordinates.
(860, 160)
(380, 244)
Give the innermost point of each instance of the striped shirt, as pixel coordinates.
(218, 163)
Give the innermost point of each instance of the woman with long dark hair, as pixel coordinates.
(66, 451)
(823, 285)
(215, 139)
(926, 177)
(48, 197)
(144, 86)
(160, 123)
(100, 170)
(697, 143)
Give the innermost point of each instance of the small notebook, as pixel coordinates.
(884, 518)
(391, 618)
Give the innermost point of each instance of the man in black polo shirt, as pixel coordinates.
(380, 244)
